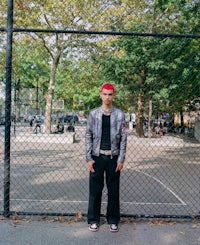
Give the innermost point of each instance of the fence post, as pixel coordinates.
(9, 31)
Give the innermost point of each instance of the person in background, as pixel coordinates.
(106, 140)
(59, 128)
(70, 128)
(32, 123)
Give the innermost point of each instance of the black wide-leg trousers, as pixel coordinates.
(104, 164)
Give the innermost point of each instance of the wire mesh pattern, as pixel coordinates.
(49, 175)
(47, 171)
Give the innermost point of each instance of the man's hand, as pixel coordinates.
(90, 165)
(119, 166)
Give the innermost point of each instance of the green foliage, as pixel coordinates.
(162, 68)
(29, 64)
(78, 81)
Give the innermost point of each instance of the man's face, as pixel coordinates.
(107, 96)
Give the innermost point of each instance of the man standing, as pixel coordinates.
(105, 153)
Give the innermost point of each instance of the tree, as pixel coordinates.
(125, 15)
(78, 81)
(52, 15)
(149, 66)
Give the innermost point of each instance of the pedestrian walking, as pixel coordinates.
(106, 140)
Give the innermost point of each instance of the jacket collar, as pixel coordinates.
(106, 112)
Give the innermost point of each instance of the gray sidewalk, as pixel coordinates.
(49, 232)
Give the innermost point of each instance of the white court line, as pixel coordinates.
(35, 200)
(155, 203)
(160, 182)
(133, 203)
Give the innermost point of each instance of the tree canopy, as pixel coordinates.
(73, 66)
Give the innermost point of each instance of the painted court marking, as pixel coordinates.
(181, 202)
(166, 187)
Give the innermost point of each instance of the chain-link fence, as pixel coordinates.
(45, 172)
(48, 174)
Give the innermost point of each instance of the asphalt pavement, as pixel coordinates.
(71, 232)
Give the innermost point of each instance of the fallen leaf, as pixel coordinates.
(69, 221)
(156, 222)
(172, 223)
(79, 215)
(61, 219)
(52, 220)
(15, 216)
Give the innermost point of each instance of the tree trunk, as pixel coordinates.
(50, 93)
(139, 128)
(149, 117)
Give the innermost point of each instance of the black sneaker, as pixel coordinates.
(114, 228)
(94, 227)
